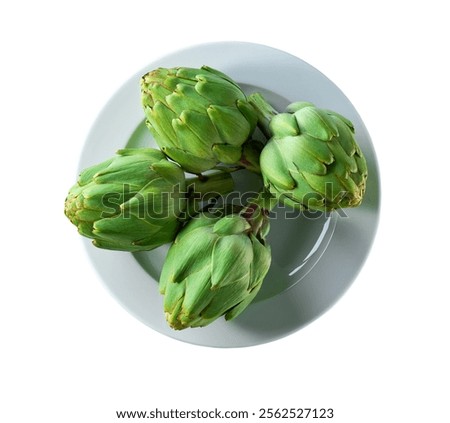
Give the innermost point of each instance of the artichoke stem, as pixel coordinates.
(265, 201)
(209, 186)
(228, 169)
(257, 217)
(257, 212)
(264, 111)
(202, 189)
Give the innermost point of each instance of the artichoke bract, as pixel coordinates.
(198, 117)
(137, 199)
(312, 160)
(214, 268)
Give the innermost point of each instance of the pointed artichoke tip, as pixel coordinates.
(215, 285)
(174, 323)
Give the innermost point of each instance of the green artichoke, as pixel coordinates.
(133, 201)
(215, 267)
(312, 160)
(198, 117)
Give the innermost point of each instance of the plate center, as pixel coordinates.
(297, 239)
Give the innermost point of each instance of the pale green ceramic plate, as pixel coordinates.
(315, 257)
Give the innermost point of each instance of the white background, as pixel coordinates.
(70, 353)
